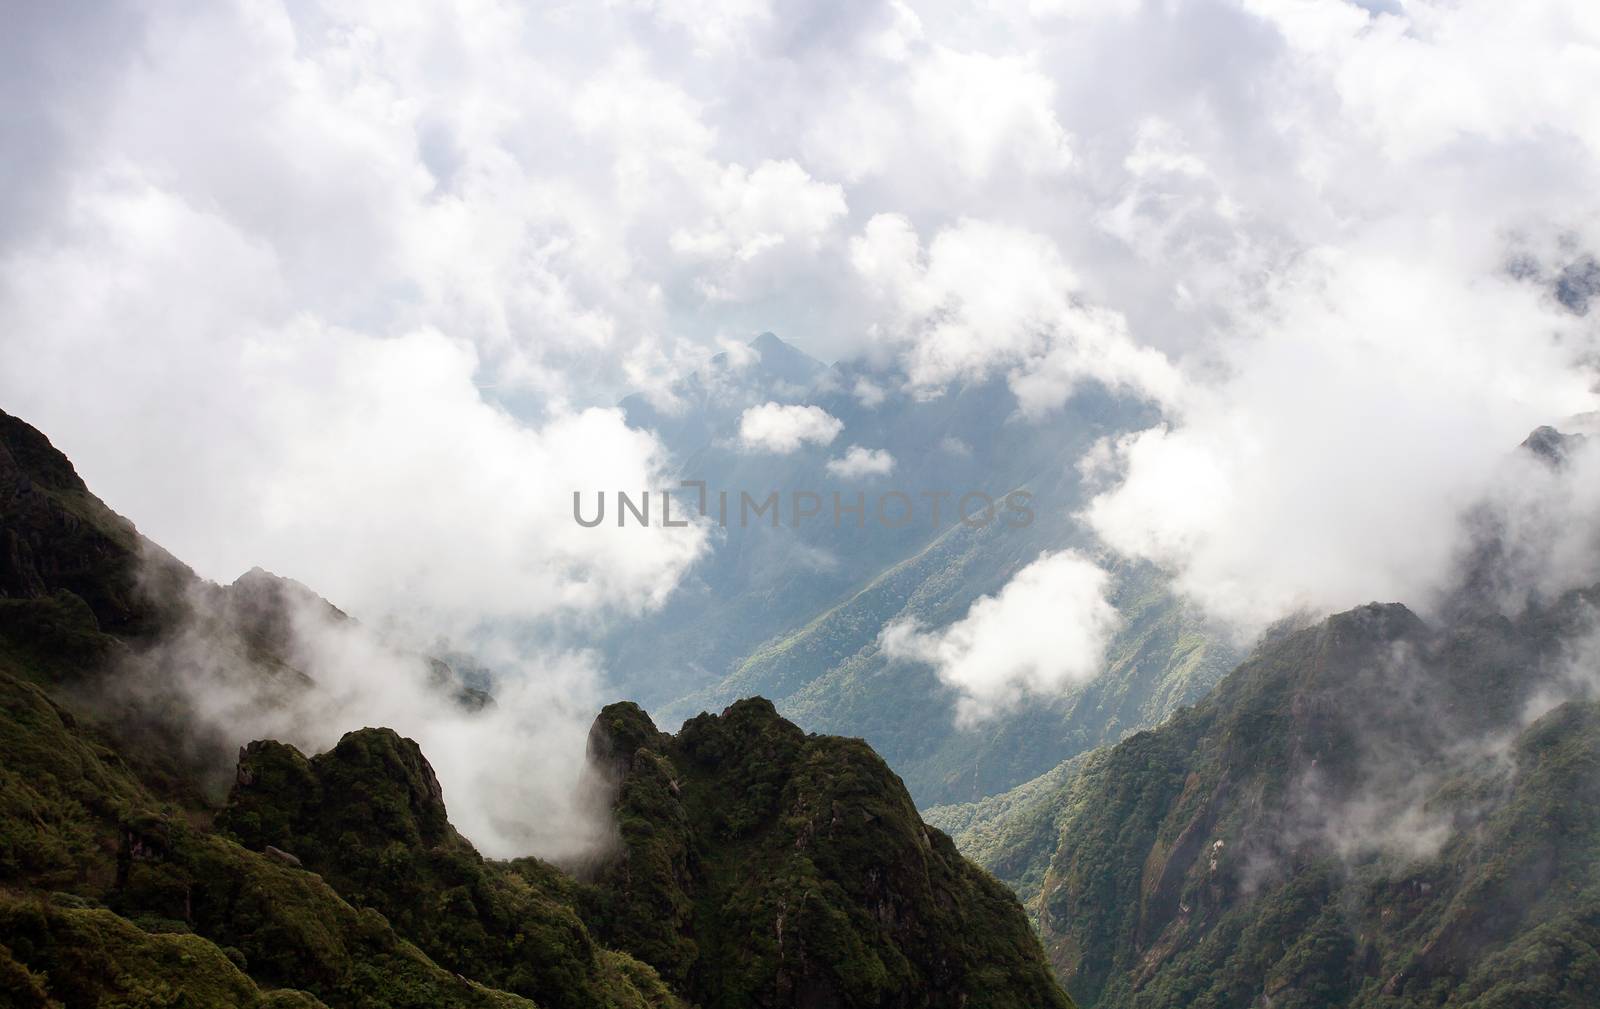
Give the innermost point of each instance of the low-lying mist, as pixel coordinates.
(265, 658)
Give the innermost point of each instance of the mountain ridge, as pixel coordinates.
(1362, 814)
(337, 879)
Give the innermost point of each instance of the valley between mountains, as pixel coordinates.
(1368, 810)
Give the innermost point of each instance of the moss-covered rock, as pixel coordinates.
(291, 928)
(75, 819)
(369, 816)
(64, 792)
(75, 957)
(760, 866)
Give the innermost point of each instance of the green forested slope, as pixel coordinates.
(831, 676)
(798, 863)
(765, 866)
(793, 613)
(1369, 812)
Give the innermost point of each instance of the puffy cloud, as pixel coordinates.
(1434, 72)
(758, 210)
(1045, 631)
(712, 26)
(783, 428)
(1379, 350)
(982, 108)
(868, 393)
(969, 115)
(1361, 413)
(755, 213)
(275, 433)
(860, 462)
(983, 299)
(1046, 9)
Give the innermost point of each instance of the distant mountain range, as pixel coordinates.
(795, 614)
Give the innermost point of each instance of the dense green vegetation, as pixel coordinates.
(1161, 658)
(764, 866)
(755, 865)
(1369, 812)
(369, 817)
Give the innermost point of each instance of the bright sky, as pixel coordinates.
(346, 289)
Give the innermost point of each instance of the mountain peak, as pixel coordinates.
(802, 859)
(784, 361)
(768, 341)
(27, 455)
(1551, 445)
(60, 537)
(617, 733)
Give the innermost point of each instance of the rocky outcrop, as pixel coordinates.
(761, 866)
(369, 816)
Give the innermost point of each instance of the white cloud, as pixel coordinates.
(860, 462)
(965, 115)
(982, 108)
(784, 428)
(869, 393)
(759, 210)
(510, 771)
(1082, 8)
(755, 214)
(713, 26)
(1044, 632)
(1363, 411)
(985, 299)
(1435, 72)
(275, 433)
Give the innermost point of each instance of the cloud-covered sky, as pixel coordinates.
(348, 289)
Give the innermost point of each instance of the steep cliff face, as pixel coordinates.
(1369, 812)
(760, 866)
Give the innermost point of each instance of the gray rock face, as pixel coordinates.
(281, 856)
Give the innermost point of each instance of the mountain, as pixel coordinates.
(761, 582)
(1369, 812)
(754, 864)
(794, 613)
(800, 873)
(831, 675)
